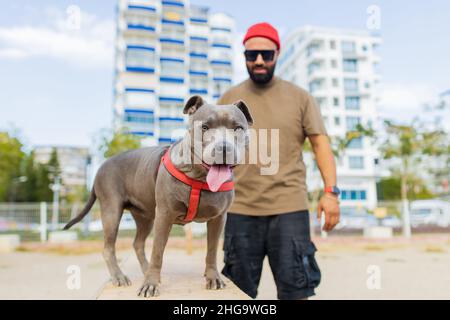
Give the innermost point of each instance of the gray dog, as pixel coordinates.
(162, 186)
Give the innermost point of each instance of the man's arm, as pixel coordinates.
(328, 203)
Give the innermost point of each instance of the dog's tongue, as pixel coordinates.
(217, 175)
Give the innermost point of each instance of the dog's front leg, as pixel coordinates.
(215, 227)
(163, 224)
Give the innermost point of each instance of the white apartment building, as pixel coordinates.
(340, 68)
(167, 51)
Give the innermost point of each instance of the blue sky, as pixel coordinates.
(56, 83)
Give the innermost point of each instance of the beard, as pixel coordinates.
(261, 78)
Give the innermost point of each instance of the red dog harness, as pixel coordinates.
(196, 186)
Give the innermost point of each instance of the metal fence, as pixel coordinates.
(34, 221)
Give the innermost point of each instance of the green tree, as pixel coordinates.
(115, 142)
(11, 156)
(410, 145)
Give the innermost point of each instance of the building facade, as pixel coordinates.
(167, 51)
(340, 68)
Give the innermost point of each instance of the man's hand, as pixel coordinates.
(329, 203)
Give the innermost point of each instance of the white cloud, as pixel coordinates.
(91, 45)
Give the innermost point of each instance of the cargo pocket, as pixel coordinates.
(307, 264)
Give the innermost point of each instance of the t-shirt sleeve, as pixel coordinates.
(312, 121)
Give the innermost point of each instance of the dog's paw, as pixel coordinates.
(213, 280)
(120, 280)
(149, 289)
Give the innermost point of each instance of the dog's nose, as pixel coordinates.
(224, 147)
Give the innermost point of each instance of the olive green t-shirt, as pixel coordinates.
(290, 109)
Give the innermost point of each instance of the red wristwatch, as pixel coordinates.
(333, 189)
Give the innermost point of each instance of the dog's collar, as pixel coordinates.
(196, 185)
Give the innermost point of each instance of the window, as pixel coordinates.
(350, 65)
(312, 48)
(348, 46)
(315, 85)
(352, 103)
(335, 82)
(336, 102)
(367, 85)
(337, 121)
(333, 63)
(355, 143)
(352, 122)
(351, 84)
(332, 44)
(356, 162)
(353, 195)
(171, 68)
(140, 57)
(139, 98)
(313, 66)
(364, 47)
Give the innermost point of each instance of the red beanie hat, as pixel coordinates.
(264, 30)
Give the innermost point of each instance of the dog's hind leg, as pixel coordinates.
(143, 228)
(111, 215)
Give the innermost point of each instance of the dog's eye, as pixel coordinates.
(205, 127)
(238, 128)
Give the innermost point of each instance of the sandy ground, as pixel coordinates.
(352, 268)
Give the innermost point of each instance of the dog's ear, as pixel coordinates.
(193, 104)
(243, 107)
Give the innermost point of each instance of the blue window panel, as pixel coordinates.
(168, 40)
(352, 103)
(356, 162)
(348, 46)
(140, 69)
(171, 60)
(350, 65)
(363, 195)
(141, 27)
(169, 79)
(171, 119)
(222, 79)
(140, 48)
(221, 45)
(353, 195)
(139, 90)
(143, 133)
(199, 39)
(198, 91)
(153, 9)
(221, 62)
(166, 21)
(344, 195)
(139, 111)
(198, 20)
(221, 29)
(352, 123)
(198, 73)
(351, 84)
(181, 100)
(355, 143)
(172, 3)
(216, 96)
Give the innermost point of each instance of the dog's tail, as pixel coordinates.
(83, 212)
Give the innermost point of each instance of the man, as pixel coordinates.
(270, 215)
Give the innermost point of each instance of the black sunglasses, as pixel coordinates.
(252, 55)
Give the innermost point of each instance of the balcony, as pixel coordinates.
(140, 59)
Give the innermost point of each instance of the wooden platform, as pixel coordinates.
(181, 277)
